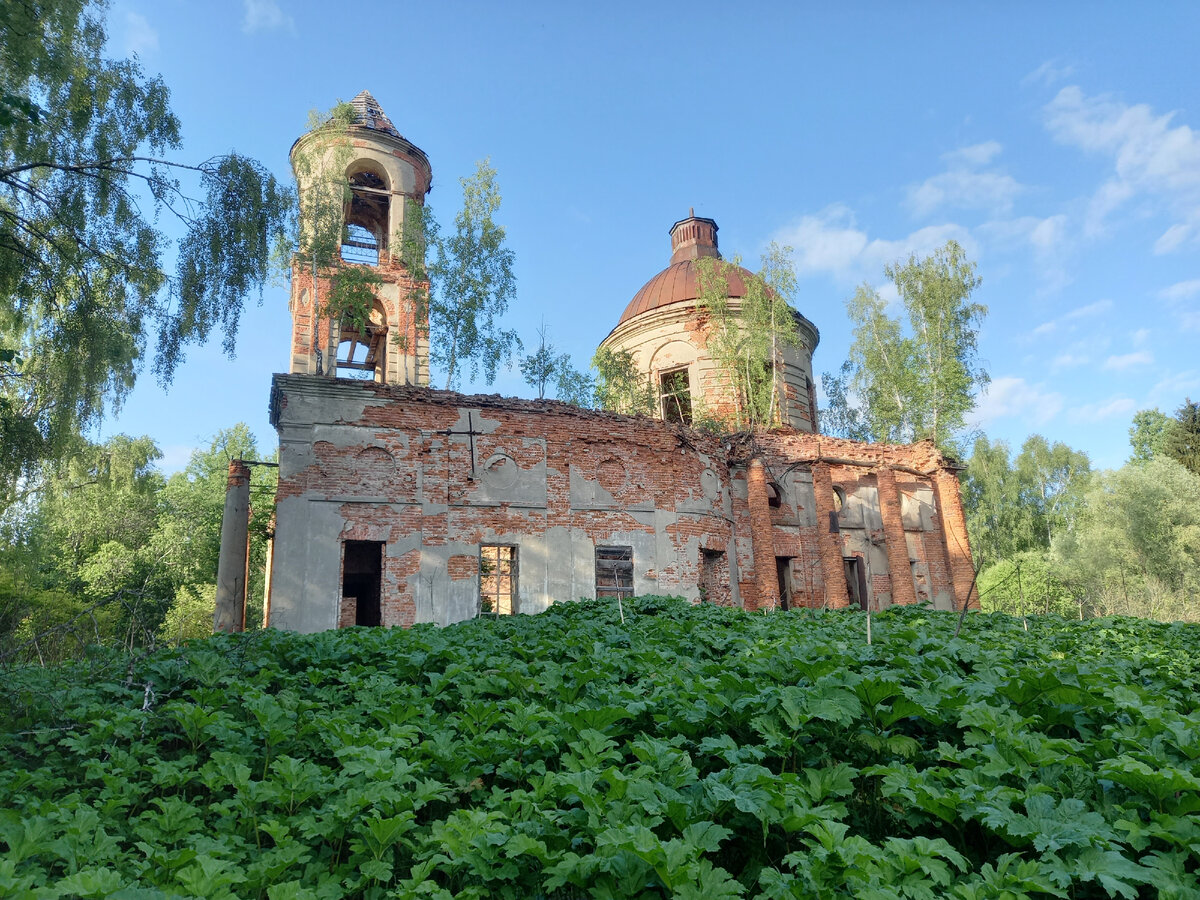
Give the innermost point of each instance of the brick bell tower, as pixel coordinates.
(377, 170)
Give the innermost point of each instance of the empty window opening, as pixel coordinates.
(614, 572)
(362, 576)
(366, 229)
(675, 396)
(497, 580)
(856, 581)
(361, 354)
(774, 495)
(714, 578)
(783, 569)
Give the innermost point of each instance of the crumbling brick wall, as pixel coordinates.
(432, 475)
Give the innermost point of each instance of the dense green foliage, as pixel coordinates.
(111, 548)
(902, 384)
(690, 752)
(89, 172)
(465, 281)
(747, 336)
(1050, 535)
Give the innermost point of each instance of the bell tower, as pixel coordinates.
(356, 183)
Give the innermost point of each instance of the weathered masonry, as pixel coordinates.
(400, 504)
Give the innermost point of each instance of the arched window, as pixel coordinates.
(365, 236)
(362, 355)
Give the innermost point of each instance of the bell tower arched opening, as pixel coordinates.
(371, 174)
(368, 212)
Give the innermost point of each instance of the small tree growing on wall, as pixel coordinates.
(746, 337)
(464, 282)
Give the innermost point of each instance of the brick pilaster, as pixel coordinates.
(903, 590)
(829, 542)
(958, 546)
(762, 543)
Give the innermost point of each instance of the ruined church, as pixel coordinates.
(398, 503)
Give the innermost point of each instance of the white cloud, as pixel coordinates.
(1182, 290)
(1140, 337)
(1013, 397)
(964, 190)
(1048, 73)
(1179, 297)
(139, 36)
(963, 187)
(1151, 159)
(974, 155)
(831, 242)
(1068, 320)
(265, 15)
(1069, 361)
(1169, 392)
(1127, 361)
(1104, 409)
(1170, 239)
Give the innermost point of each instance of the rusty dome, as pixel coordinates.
(691, 239)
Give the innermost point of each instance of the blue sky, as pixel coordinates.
(1056, 142)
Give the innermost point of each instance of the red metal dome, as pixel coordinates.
(691, 239)
(678, 283)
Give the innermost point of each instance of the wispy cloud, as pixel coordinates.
(1068, 320)
(1151, 158)
(265, 15)
(1069, 361)
(1170, 391)
(831, 242)
(963, 186)
(1182, 290)
(1012, 397)
(1126, 361)
(1049, 72)
(1101, 410)
(1183, 300)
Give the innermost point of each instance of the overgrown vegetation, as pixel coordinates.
(689, 752)
(1051, 535)
(89, 172)
(110, 551)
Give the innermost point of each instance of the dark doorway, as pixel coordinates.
(362, 574)
(856, 581)
(783, 569)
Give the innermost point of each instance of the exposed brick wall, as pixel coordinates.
(901, 586)
(394, 464)
(761, 537)
(829, 542)
(958, 547)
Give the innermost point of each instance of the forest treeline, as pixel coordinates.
(109, 550)
(1050, 535)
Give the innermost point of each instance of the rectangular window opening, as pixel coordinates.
(497, 580)
(714, 578)
(362, 577)
(856, 581)
(675, 396)
(614, 572)
(783, 569)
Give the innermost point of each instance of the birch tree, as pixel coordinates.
(900, 383)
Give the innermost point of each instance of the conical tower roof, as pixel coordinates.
(369, 114)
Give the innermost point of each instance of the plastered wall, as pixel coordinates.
(433, 474)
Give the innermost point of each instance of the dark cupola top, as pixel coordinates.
(369, 114)
(693, 237)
